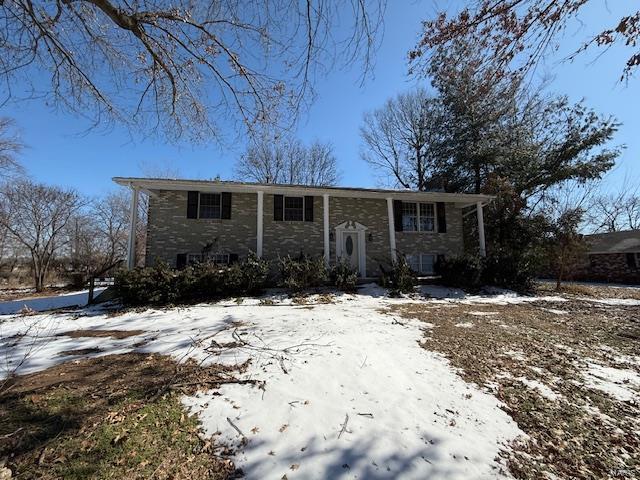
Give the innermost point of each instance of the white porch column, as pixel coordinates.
(392, 229)
(260, 224)
(133, 223)
(483, 247)
(325, 220)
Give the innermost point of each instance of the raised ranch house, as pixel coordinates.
(192, 220)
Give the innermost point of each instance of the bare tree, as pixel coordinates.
(288, 162)
(518, 33)
(615, 211)
(99, 234)
(37, 216)
(400, 138)
(10, 147)
(180, 66)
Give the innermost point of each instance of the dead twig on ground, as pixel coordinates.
(236, 428)
(344, 425)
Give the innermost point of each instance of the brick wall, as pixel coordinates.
(170, 232)
(280, 238)
(607, 267)
(449, 244)
(372, 213)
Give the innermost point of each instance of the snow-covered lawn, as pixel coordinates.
(348, 388)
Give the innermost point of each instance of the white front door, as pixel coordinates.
(350, 249)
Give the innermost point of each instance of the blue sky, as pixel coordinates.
(58, 152)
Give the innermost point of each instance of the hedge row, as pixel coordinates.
(163, 285)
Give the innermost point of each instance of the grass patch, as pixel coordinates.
(111, 417)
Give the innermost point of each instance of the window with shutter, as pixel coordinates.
(418, 217)
(192, 204)
(308, 209)
(442, 217)
(210, 205)
(278, 208)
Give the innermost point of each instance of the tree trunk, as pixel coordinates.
(560, 272)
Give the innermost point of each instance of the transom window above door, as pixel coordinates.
(418, 217)
(294, 208)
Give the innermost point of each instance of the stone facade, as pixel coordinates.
(170, 232)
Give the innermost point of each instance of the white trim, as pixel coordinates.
(325, 221)
(133, 222)
(392, 230)
(360, 230)
(483, 246)
(259, 226)
(198, 217)
(299, 190)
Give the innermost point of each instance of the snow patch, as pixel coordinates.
(621, 384)
(625, 302)
(540, 387)
(555, 311)
(464, 325)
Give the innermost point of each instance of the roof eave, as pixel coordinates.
(177, 184)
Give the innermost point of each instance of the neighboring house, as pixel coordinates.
(612, 257)
(189, 220)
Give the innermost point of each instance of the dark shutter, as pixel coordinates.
(233, 257)
(278, 202)
(397, 215)
(631, 260)
(192, 205)
(308, 209)
(225, 205)
(181, 260)
(442, 217)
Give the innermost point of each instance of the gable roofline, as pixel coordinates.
(151, 184)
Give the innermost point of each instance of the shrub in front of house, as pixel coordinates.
(500, 269)
(461, 272)
(509, 270)
(163, 285)
(400, 278)
(302, 272)
(147, 286)
(248, 277)
(344, 277)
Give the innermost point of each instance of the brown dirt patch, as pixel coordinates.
(580, 433)
(117, 334)
(117, 416)
(80, 352)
